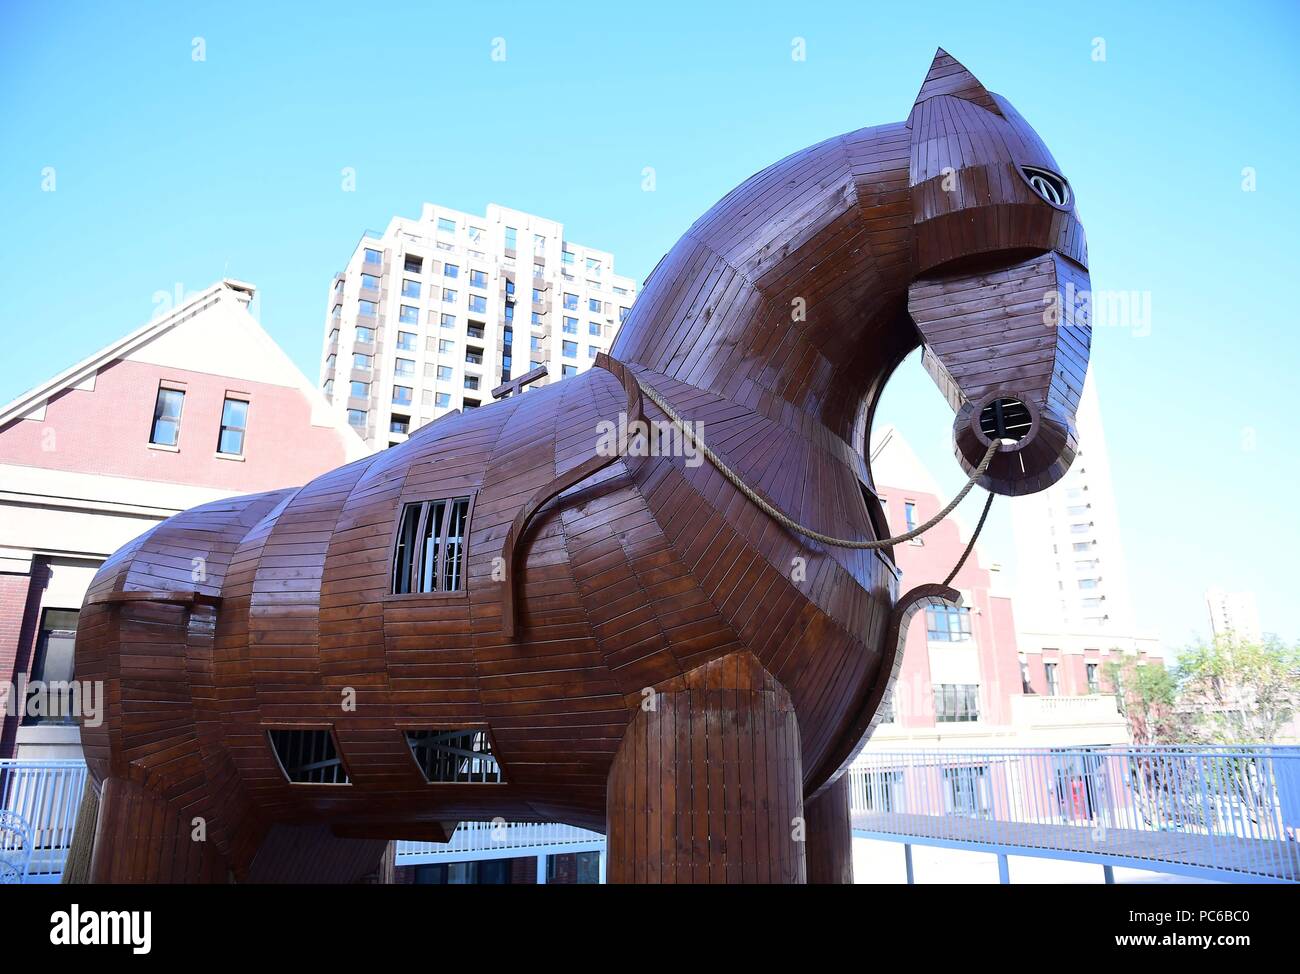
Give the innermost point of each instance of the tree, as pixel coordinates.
(1238, 692)
(1145, 694)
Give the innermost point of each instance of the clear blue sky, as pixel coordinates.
(170, 171)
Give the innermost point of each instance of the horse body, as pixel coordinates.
(660, 614)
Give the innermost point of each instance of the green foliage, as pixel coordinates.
(1146, 694)
(1236, 692)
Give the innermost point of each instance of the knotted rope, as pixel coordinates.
(795, 526)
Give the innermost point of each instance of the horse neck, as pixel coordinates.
(791, 292)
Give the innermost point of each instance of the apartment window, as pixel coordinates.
(1084, 545)
(510, 289)
(537, 319)
(53, 663)
(475, 235)
(367, 308)
(399, 424)
(365, 336)
(592, 352)
(234, 423)
(593, 304)
(360, 360)
(357, 417)
(909, 514)
(535, 364)
(1094, 677)
(444, 373)
(329, 388)
(448, 296)
(446, 346)
(622, 312)
(402, 395)
(460, 756)
(1077, 510)
(442, 400)
(1088, 582)
(1053, 685)
(510, 238)
(535, 343)
(883, 791)
(478, 304)
(166, 429)
(406, 340)
(569, 349)
(956, 703)
(593, 328)
(473, 356)
(369, 282)
(948, 624)
(1092, 603)
(409, 315)
(450, 270)
(968, 790)
(539, 270)
(334, 336)
(567, 370)
(445, 225)
(475, 329)
(404, 367)
(413, 264)
(471, 382)
(1079, 528)
(570, 325)
(510, 312)
(448, 321)
(410, 289)
(308, 757)
(430, 550)
(570, 301)
(373, 257)
(471, 403)
(537, 296)
(359, 390)
(593, 266)
(566, 255)
(478, 279)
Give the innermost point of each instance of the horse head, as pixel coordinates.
(1000, 279)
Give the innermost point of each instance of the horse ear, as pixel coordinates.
(948, 76)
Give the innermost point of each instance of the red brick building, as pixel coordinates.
(196, 405)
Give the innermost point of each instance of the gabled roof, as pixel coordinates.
(33, 399)
(236, 297)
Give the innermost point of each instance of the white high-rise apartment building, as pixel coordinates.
(1071, 574)
(435, 313)
(1234, 614)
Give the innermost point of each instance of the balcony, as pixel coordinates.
(1045, 715)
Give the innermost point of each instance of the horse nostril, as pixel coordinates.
(1006, 419)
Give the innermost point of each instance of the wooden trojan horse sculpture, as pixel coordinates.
(498, 618)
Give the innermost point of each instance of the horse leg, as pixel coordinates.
(707, 783)
(141, 837)
(829, 834)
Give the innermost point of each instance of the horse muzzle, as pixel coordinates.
(1008, 346)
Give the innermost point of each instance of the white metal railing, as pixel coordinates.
(45, 795)
(1228, 810)
(499, 839)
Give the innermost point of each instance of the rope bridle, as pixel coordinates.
(781, 518)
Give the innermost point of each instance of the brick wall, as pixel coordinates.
(20, 599)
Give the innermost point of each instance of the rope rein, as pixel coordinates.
(795, 526)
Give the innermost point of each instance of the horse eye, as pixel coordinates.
(1048, 185)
